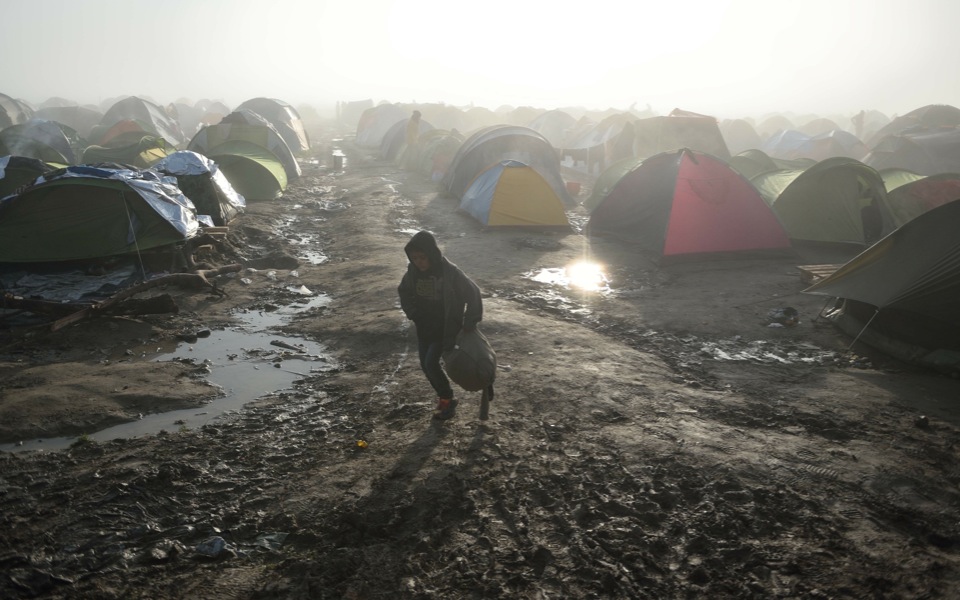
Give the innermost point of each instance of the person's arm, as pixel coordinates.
(470, 292)
(407, 297)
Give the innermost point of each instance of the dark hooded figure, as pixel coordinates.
(440, 300)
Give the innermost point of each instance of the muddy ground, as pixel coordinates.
(654, 438)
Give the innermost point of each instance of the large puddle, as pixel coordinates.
(247, 361)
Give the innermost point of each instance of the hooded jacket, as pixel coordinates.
(462, 304)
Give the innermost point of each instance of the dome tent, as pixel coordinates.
(512, 194)
(688, 204)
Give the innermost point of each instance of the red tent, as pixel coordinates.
(687, 203)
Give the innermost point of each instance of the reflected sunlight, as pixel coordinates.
(587, 276)
(582, 275)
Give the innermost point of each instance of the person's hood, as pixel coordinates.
(426, 243)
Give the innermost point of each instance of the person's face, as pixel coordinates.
(420, 259)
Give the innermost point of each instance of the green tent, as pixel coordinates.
(251, 153)
(251, 169)
(825, 202)
(610, 177)
(436, 152)
(753, 162)
(133, 148)
(910, 282)
(86, 212)
(909, 194)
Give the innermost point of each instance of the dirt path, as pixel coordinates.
(655, 439)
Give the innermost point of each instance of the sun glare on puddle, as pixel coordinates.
(582, 275)
(586, 276)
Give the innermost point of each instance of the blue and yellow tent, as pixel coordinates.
(512, 194)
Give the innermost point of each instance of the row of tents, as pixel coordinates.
(684, 201)
(254, 144)
(85, 212)
(143, 186)
(925, 140)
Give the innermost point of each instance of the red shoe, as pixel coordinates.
(446, 408)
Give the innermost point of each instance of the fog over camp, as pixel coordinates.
(726, 58)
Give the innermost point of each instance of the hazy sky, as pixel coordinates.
(728, 58)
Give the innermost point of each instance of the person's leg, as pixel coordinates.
(430, 353)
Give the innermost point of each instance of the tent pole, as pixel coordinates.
(864, 329)
(136, 243)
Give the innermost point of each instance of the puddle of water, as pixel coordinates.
(764, 351)
(307, 246)
(271, 319)
(246, 362)
(314, 257)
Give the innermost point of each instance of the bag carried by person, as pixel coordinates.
(472, 363)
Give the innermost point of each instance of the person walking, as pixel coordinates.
(412, 152)
(441, 301)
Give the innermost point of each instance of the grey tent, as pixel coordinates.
(911, 279)
(284, 118)
(916, 268)
(151, 117)
(45, 140)
(202, 181)
(18, 171)
(13, 111)
(81, 118)
(497, 143)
